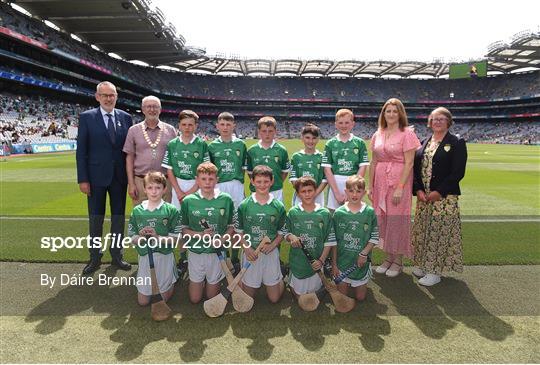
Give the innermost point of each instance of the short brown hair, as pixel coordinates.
(344, 112)
(443, 111)
(305, 181)
(207, 168)
(312, 129)
(267, 121)
(262, 170)
(355, 182)
(185, 114)
(155, 177)
(226, 116)
(403, 121)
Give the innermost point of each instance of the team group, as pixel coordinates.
(200, 198)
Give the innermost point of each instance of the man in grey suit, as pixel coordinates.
(101, 170)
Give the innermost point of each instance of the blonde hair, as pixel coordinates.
(344, 112)
(267, 121)
(443, 111)
(355, 182)
(403, 120)
(155, 177)
(207, 168)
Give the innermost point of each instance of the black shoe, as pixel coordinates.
(182, 268)
(236, 267)
(284, 269)
(91, 266)
(121, 264)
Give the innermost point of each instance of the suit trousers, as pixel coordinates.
(96, 212)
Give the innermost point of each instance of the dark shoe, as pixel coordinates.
(284, 269)
(236, 267)
(121, 264)
(182, 269)
(91, 266)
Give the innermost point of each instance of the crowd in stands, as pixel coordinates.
(43, 120)
(36, 120)
(278, 88)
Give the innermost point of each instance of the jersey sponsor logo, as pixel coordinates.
(196, 213)
(308, 240)
(345, 165)
(184, 168)
(351, 242)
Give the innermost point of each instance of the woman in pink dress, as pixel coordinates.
(390, 186)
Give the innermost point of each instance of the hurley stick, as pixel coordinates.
(160, 311)
(214, 307)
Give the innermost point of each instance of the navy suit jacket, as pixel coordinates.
(99, 160)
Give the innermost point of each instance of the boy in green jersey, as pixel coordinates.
(183, 155)
(181, 159)
(344, 155)
(308, 162)
(229, 154)
(355, 226)
(268, 152)
(217, 209)
(156, 223)
(310, 224)
(260, 215)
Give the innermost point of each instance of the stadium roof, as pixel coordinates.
(136, 31)
(523, 51)
(131, 29)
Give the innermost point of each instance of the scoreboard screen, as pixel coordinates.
(468, 70)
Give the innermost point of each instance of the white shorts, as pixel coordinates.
(318, 200)
(203, 266)
(307, 285)
(165, 269)
(340, 182)
(363, 281)
(266, 270)
(235, 189)
(184, 185)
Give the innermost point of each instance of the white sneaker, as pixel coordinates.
(418, 272)
(382, 269)
(429, 280)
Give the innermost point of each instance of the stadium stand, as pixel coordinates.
(51, 78)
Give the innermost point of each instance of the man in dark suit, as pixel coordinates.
(101, 169)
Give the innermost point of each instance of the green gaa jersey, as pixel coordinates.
(258, 220)
(183, 158)
(303, 164)
(275, 157)
(218, 212)
(353, 232)
(165, 220)
(345, 158)
(315, 230)
(229, 157)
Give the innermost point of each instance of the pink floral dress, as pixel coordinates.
(394, 220)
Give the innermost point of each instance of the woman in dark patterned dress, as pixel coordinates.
(439, 165)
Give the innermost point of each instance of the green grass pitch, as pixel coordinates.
(486, 314)
(38, 193)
